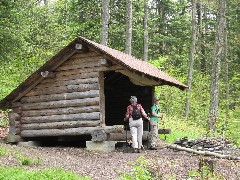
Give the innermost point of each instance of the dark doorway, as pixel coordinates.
(118, 89)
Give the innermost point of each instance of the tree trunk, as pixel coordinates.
(191, 57)
(145, 26)
(128, 42)
(200, 34)
(226, 80)
(105, 19)
(219, 40)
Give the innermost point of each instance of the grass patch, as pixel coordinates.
(17, 173)
(181, 128)
(140, 171)
(3, 151)
(186, 128)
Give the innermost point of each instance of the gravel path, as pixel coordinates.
(106, 166)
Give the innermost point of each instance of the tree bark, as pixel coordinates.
(145, 26)
(219, 40)
(128, 42)
(191, 58)
(105, 19)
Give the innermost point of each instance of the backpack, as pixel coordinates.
(136, 114)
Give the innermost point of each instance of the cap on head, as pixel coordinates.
(156, 98)
(133, 99)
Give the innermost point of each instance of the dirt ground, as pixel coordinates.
(167, 163)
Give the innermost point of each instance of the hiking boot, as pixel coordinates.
(135, 150)
(153, 148)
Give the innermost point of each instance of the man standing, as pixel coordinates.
(155, 115)
(134, 113)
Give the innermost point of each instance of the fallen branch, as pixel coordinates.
(205, 153)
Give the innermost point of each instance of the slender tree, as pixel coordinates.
(219, 44)
(128, 42)
(191, 57)
(226, 61)
(105, 20)
(145, 27)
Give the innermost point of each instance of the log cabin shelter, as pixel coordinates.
(83, 90)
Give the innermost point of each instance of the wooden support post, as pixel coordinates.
(102, 98)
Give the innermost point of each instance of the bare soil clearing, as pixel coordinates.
(165, 162)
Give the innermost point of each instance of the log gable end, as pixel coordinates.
(70, 99)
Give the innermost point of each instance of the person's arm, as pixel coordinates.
(144, 113)
(127, 115)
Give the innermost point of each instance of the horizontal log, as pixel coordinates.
(62, 103)
(63, 89)
(70, 110)
(70, 131)
(91, 64)
(83, 55)
(63, 96)
(60, 77)
(122, 136)
(87, 70)
(79, 61)
(67, 82)
(57, 118)
(60, 125)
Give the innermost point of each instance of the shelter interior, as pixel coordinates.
(118, 89)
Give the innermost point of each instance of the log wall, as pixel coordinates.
(66, 104)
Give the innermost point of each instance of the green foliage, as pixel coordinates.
(3, 151)
(181, 127)
(140, 171)
(204, 173)
(3, 119)
(17, 173)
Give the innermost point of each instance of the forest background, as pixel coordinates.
(34, 30)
